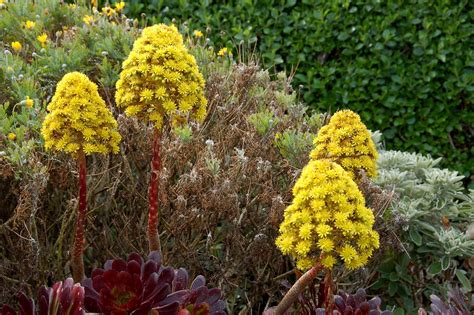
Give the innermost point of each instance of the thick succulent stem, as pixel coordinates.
(292, 295)
(77, 260)
(153, 235)
(328, 292)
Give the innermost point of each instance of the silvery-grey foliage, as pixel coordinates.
(431, 201)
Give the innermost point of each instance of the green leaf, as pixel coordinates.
(399, 311)
(464, 280)
(394, 277)
(435, 268)
(415, 237)
(392, 288)
(445, 262)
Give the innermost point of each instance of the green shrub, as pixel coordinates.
(406, 68)
(431, 216)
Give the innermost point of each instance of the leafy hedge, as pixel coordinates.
(406, 67)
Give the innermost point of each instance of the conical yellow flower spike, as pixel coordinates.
(160, 80)
(327, 219)
(347, 141)
(78, 119)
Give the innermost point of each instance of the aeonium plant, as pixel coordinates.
(327, 222)
(139, 286)
(132, 286)
(160, 83)
(63, 298)
(79, 123)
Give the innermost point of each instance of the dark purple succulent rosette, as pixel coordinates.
(196, 299)
(131, 287)
(357, 303)
(65, 298)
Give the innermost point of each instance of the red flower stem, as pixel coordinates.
(292, 295)
(77, 261)
(328, 292)
(153, 235)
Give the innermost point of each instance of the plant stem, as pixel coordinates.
(328, 292)
(153, 235)
(292, 295)
(77, 261)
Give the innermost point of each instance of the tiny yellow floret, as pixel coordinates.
(325, 222)
(119, 6)
(12, 136)
(16, 46)
(222, 52)
(198, 34)
(30, 25)
(88, 19)
(108, 11)
(160, 81)
(78, 119)
(29, 102)
(347, 141)
(42, 39)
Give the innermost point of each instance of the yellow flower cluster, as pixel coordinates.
(346, 141)
(160, 80)
(327, 219)
(78, 119)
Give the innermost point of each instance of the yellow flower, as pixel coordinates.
(29, 102)
(88, 19)
(108, 11)
(347, 141)
(306, 230)
(222, 52)
(78, 119)
(42, 39)
(119, 6)
(347, 253)
(29, 25)
(326, 244)
(328, 261)
(12, 136)
(198, 34)
(316, 226)
(323, 230)
(16, 46)
(160, 81)
(72, 5)
(94, 3)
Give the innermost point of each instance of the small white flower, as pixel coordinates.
(209, 143)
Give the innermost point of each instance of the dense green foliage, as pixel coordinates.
(406, 68)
